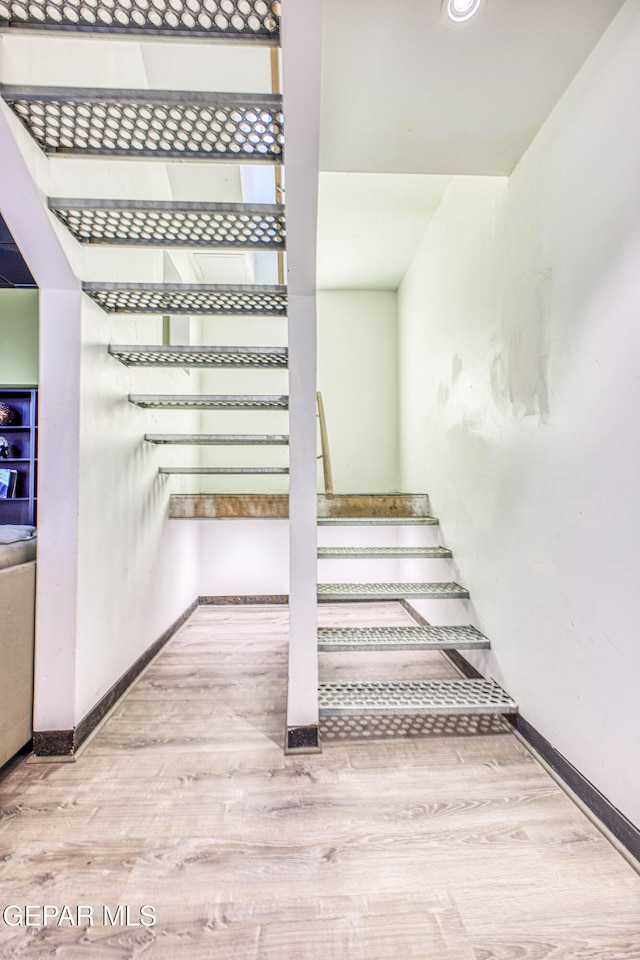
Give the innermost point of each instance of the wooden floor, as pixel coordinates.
(433, 849)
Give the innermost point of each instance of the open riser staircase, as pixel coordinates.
(398, 559)
(238, 385)
(235, 392)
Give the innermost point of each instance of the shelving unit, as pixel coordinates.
(22, 437)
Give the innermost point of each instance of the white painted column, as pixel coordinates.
(301, 59)
(59, 398)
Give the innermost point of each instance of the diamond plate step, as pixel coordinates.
(244, 21)
(137, 355)
(258, 226)
(355, 553)
(219, 439)
(207, 471)
(376, 521)
(391, 591)
(160, 124)
(414, 697)
(207, 401)
(213, 299)
(336, 639)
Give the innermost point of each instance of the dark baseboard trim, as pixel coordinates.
(616, 823)
(275, 598)
(625, 832)
(65, 743)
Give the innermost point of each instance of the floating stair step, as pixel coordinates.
(163, 124)
(207, 401)
(134, 355)
(207, 471)
(391, 591)
(365, 553)
(414, 697)
(336, 639)
(226, 20)
(214, 299)
(219, 439)
(257, 226)
(376, 521)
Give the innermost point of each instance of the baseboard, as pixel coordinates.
(625, 832)
(66, 743)
(241, 599)
(615, 822)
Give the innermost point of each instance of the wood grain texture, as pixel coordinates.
(456, 849)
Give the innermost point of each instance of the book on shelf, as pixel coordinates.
(8, 481)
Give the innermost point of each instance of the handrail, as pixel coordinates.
(324, 444)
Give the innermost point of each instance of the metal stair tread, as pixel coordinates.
(337, 553)
(237, 439)
(425, 637)
(375, 521)
(413, 697)
(144, 355)
(209, 401)
(173, 223)
(206, 471)
(159, 124)
(233, 22)
(386, 591)
(213, 299)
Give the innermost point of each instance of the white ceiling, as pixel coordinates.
(404, 92)
(409, 100)
(369, 226)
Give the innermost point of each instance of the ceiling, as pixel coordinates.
(405, 92)
(409, 100)
(369, 226)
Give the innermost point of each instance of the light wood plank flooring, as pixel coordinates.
(433, 849)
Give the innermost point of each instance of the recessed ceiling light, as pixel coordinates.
(461, 10)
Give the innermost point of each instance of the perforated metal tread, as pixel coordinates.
(391, 591)
(377, 521)
(255, 21)
(212, 299)
(134, 355)
(164, 124)
(218, 439)
(208, 401)
(381, 727)
(173, 223)
(364, 553)
(335, 639)
(206, 471)
(419, 697)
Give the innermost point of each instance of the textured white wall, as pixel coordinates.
(357, 375)
(520, 411)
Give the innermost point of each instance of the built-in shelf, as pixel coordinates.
(22, 439)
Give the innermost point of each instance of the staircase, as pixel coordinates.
(361, 550)
(171, 126)
(243, 424)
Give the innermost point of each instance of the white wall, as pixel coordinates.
(357, 376)
(113, 572)
(242, 557)
(520, 411)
